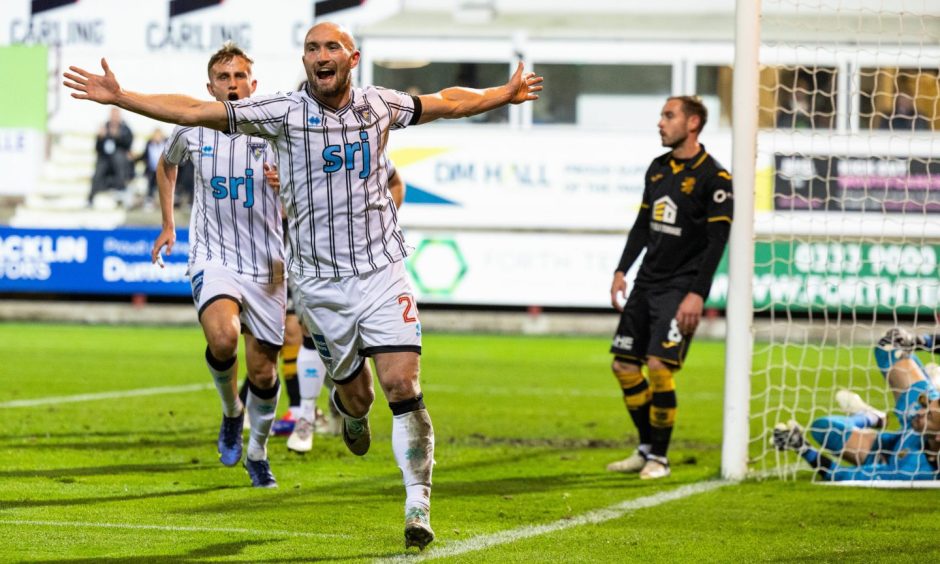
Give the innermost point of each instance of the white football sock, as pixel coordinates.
(225, 383)
(261, 414)
(413, 445)
(310, 374)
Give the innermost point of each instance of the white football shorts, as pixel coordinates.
(354, 317)
(261, 306)
(291, 292)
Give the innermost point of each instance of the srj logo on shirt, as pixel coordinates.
(228, 187)
(338, 157)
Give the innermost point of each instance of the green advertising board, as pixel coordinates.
(22, 117)
(25, 105)
(803, 276)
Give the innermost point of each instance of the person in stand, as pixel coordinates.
(113, 168)
(153, 150)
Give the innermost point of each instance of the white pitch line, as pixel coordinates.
(176, 529)
(106, 395)
(592, 517)
(512, 392)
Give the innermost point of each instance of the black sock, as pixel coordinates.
(293, 391)
(662, 421)
(659, 440)
(641, 418)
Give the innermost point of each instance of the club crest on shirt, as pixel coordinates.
(257, 149)
(363, 112)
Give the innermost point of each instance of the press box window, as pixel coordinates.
(622, 97)
(423, 77)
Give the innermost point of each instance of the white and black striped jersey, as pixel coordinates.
(236, 216)
(334, 175)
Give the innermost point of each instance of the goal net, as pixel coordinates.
(847, 220)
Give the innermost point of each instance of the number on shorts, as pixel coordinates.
(674, 335)
(409, 304)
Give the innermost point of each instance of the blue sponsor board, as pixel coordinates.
(85, 261)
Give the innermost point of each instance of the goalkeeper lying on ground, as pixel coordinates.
(907, 454)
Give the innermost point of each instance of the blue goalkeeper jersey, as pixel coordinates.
(908, 405)
(902, 457)
(897, 455)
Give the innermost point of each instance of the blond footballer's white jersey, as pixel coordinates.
(236, 217)
(334, 175)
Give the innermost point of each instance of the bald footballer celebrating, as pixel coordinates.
(346, 247)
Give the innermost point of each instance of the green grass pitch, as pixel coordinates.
(524, 428)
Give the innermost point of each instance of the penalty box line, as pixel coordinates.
(590, 518)
(106, 395)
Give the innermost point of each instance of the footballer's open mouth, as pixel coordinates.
(232, 96)
(326, 74)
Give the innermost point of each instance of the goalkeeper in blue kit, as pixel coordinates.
(909, 453)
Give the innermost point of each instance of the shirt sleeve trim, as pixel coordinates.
(230, 111)
(416, 116)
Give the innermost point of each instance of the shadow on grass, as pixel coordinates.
(196, 555)
(367, 487)
(454, 481)
(470, 478)
(82, 501)
(89, 434)
(220, 550)
(106, 470)
(566, 444)
(127, 444)
(505, 486)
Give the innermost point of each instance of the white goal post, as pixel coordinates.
(734, 447)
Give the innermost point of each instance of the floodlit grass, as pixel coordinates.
(524, 428)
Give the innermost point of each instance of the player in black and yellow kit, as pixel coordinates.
(683, 225)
